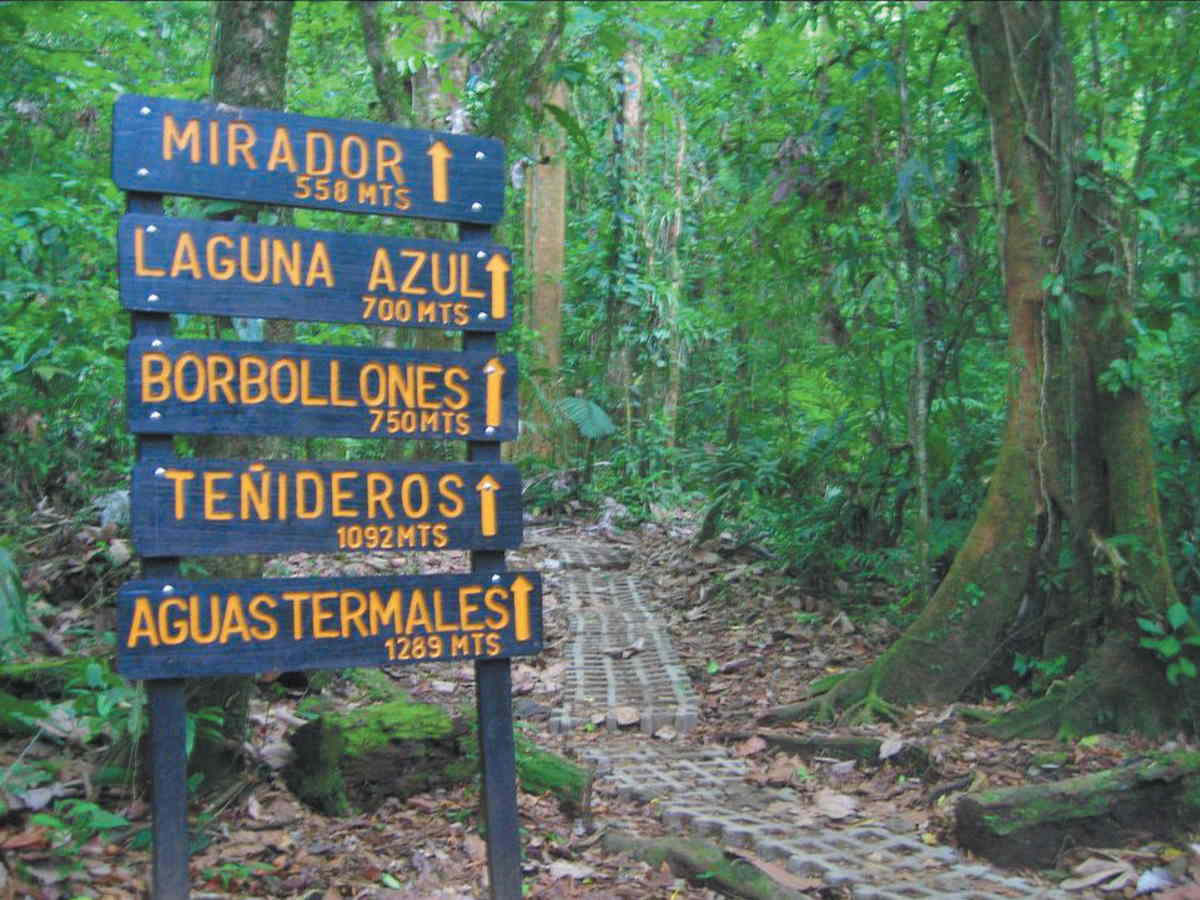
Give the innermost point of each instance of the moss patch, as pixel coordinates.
(1028, 826)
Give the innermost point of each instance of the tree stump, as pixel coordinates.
(352, 761)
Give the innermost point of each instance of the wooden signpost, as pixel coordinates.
(283, 624)
(242, 387)
(220, 507)
(170, 628)
(238, 269)
(262, 156)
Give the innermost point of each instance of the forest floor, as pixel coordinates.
(750, 640)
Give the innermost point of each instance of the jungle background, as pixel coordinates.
(900, 298)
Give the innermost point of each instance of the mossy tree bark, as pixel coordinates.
(1067, 549)
(249, 69)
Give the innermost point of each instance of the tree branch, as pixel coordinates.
(388, 86)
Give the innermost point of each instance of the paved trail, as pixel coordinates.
(624, 671)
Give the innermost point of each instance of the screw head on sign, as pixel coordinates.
(491, 429)
(145, 110)
(479, 254)
(150, 229)
(495, 579)
(167, 588)
(153, 298)
(482, 317)
(156, 343)
(156, 414)
(143, 172)
(479, 154)
(476, 206)
(160, 471)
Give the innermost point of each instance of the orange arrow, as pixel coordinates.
(499, 268)
(521, 588)
(495, 382)
(440, 155)
(487, 488)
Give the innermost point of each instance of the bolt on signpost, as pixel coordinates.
(170, 628)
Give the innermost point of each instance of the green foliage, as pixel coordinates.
(14, 615)
(73, 823)
(1169, 637)
(592, 421)
(108, 705)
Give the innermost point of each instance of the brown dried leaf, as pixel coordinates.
(1112, 874)
(750, 746)
(890, 747)
(627, 715)
(834, 805)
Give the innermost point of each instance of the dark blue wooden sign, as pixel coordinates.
(202, 507)
(192, 628)
(213, 150)
(234, 387)
(237, 269)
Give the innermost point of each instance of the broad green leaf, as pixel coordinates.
(592, 421)
(1177, 614)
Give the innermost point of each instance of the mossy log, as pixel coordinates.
(354, 760)
(1156, 796)
(703, 864)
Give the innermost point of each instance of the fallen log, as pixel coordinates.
(1156, 796)
(912, 758)
(354, 760)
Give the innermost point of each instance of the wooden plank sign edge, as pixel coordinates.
(240, 627)
(168, 146)
(168, 264)
(214, 507)
(240, 387)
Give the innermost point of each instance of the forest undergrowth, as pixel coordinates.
(75, 822)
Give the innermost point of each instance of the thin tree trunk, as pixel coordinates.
(545, 258)
(675, 347)
(913, 288)
(249, 69)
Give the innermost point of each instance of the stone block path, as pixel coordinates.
(622, 661)
(623, 670)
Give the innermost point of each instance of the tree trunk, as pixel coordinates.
(676, 349)
(912, 288)
(1074, 484)
(249, 69)
(545, 243)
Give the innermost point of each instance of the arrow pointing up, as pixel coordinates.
(522, 623)
(487, 488)
(499, 267)
(439, 155)
(495, 382)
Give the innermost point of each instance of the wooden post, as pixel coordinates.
(456, 178)
(493, 688)
(168, 710)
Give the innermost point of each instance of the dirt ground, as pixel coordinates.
(750, 638)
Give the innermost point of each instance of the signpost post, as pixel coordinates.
(169, 628)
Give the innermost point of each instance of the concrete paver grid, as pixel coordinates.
(705, 791)
(621, 656)
(574, 553)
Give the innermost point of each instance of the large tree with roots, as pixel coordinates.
(1073, 491)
